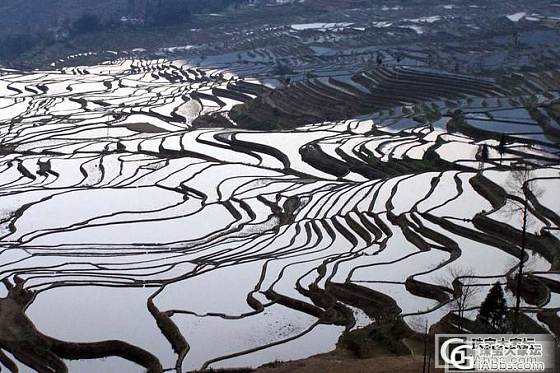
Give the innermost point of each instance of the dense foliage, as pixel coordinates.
(13, 45)
(172, 12)
(83, 20)
(86, 23)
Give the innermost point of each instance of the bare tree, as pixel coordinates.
(462, 281)
(483, 156)
(520, 184)
(502, 147)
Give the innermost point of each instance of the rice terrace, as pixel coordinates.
(266, 181)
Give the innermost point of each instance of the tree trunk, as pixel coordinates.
(520, 272)
(425, 347)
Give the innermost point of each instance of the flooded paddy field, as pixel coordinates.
(182, 212)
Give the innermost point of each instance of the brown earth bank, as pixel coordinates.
(330, 363)
(326, 364)
(373, 357)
